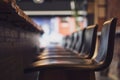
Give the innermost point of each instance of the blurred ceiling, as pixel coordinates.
(51, 5)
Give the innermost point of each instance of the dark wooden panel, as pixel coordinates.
(19, 41)
(17, 50)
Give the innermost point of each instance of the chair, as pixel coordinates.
(65, 41)
(99, 62)
(78, 40)
(82, 48)
(89, 42)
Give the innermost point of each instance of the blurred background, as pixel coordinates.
(57, 17)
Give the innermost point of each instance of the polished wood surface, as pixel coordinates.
(19, 41)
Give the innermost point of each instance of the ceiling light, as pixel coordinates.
(38, 1)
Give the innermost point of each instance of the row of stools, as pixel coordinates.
(80, 43)
(77, 60)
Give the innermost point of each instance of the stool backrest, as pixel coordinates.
(89, 41)
(77, 38)
(70, 41)
(106, 46)
(65, 41)
(79, 41)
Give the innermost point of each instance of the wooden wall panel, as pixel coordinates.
(113, 9)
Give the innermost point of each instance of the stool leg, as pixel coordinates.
(38, 73)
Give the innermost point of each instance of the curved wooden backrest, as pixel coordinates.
(106, 47)
(75, 35)
(79, 41)
(65, 41)
(89, 41)
(70, 41)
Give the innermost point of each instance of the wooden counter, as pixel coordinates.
(19, 41)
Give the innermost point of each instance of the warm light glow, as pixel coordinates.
(72, 3)
(38, 1)
(54, 12)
